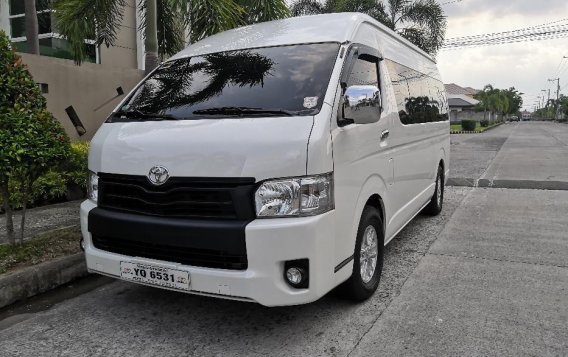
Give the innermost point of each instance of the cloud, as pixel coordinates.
(504, 8)
(526, 66)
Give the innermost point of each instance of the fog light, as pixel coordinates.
(296, 273)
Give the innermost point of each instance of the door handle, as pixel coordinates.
(385, 134)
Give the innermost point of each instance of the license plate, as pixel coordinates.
(154, 275)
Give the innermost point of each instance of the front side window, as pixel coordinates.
(362, 97)
(271, 81)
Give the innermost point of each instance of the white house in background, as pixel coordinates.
(461, 103)
(462, 107)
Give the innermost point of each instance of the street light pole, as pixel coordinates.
(557, 95)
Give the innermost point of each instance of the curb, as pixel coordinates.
(39, 278)
(509, 184)
(465, 132)
(474, 132)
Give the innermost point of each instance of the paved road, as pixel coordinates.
(525, 155)
(488, 277)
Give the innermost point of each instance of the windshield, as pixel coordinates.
(271, 81)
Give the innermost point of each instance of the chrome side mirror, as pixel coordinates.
(361, 104)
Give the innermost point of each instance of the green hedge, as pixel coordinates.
(468, 125)
(484, 123)
(54, 185)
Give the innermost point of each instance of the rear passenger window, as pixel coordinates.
(419, 97)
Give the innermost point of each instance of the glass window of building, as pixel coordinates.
(50, 42)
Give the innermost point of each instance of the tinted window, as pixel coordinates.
(364, 72)
(285, 78)
(18, 24)
(17, 6)
(419, 97)
(362, 95)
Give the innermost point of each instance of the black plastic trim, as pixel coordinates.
(342, 264)
(230, 198)
(218, 238)
(302, 264)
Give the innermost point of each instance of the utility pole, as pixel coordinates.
(557, 95)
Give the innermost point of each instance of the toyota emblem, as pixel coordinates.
(158, 175)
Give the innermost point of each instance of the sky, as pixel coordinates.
(527, 66)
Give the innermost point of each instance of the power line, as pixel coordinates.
(563, 69)
(550, 30)
(560, 65)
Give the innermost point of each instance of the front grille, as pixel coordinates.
(221, 198)
(189, 256)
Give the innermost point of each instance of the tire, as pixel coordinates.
(360, 287)
(436, 203)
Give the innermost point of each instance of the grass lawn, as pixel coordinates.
(458, 127)
(44, 247)
(478, 127)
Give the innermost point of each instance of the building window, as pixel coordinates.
(51, 44)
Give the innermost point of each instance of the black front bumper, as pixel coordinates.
(198, 242)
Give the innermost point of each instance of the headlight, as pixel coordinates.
(296, 196)
(93, 186)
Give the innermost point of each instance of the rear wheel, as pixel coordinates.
(367, 258)
(435, 205)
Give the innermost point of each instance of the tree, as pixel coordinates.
(484, 99)
(422, 22)
(563, 105)
(493, 100)
(515, 100)
(165, 22)
(32, 38)
(31, 140)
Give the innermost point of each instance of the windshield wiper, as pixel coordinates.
(136, 113)
(240, 111)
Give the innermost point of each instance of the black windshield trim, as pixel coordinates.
(250, 48)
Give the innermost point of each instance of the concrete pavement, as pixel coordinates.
(535, 151)
(124, 319)
(494, 284)
(488, 277)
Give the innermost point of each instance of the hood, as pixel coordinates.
(245, 147)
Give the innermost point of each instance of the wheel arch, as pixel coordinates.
(373, 193)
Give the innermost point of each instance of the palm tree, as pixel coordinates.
(164, 24)
(32, 38)
(422, 22)
(484, 98)
(493, 100)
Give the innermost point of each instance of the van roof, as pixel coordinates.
(336, 27)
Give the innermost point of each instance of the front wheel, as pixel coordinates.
(367, 258)
(435, 205)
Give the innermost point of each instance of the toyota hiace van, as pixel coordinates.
(269, 163)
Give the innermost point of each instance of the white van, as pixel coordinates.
(269, 163)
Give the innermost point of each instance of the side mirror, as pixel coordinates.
(361, 104)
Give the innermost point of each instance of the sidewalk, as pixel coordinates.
(494, 284)
(41, 219)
